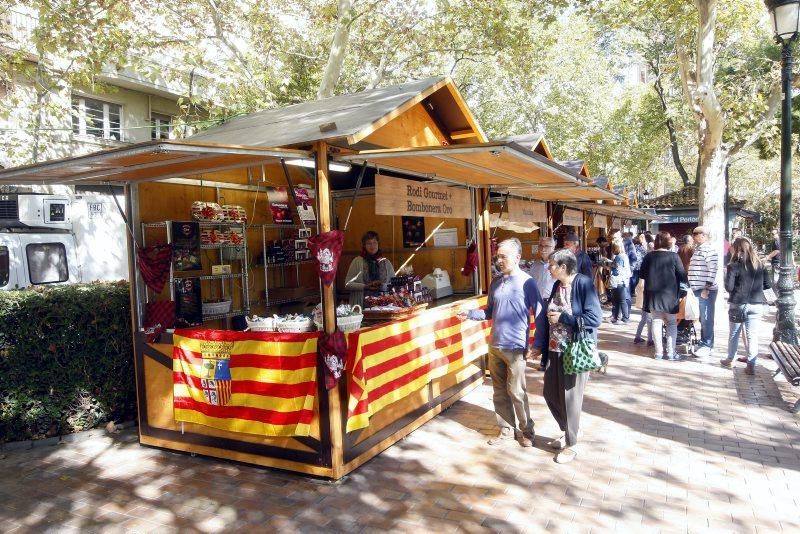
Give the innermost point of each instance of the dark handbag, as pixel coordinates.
(736, 313)
(580, 354)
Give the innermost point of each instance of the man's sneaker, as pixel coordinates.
(638, 340)
(526, 439)
(651, 343)
(558, 443)
(749, 370)
(725, 362)
(566, 455)
(702, 351)
(505, 434)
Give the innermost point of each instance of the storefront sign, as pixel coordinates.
(572, 218)
(395, 196)
(681, 218)
(600, 221)
(526, 211)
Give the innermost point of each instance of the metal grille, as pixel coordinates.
(9, 209)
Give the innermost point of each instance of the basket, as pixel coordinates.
(294, 326)
(348, 323)
(206, 211)
(260, 324)
(233, 213)
(216, 308)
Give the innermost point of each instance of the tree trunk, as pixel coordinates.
(341, 36)
(713, 156)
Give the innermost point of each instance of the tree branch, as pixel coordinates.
(673, 136)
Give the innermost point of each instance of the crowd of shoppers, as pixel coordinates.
(559, 293)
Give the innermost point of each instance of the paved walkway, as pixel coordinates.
(672, 447)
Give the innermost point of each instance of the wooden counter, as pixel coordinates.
(398, 376)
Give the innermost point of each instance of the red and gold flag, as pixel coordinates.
(387, 363)
(257, 383)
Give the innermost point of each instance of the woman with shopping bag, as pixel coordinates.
(663, 274)
(745, 282)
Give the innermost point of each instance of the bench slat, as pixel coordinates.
(788, 359)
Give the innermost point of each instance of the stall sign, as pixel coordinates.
(526, 211)
(572, 218)
(600, 221)
(395, 196)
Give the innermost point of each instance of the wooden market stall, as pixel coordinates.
(269, 398)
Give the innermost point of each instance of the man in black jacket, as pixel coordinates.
(572, 242)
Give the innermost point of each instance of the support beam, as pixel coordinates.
(329, 313)
(485, 241)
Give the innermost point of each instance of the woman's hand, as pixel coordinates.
(553, 317)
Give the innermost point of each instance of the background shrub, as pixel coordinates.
(66, 359)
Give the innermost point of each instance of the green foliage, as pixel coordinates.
(66, 359)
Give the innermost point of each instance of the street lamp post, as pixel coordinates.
(785, 16)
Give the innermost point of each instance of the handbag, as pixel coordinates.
(736, 313)
(580, 355)
(639, 303)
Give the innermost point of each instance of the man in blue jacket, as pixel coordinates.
(513, 296)
(573, 243)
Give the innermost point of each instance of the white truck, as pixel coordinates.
(56, 239)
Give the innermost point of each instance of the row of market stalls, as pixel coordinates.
(408, 162)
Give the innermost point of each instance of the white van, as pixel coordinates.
(47, 239)
(31, 259)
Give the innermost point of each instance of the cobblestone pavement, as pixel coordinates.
(672, 447)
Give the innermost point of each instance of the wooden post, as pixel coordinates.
(485, 239)
(329, 313)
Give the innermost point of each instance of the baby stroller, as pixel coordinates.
(686, 340)
(687, 337)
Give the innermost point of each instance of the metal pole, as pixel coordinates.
(727, 201)
(785, 327)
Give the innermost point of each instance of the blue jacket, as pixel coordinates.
(584, 304)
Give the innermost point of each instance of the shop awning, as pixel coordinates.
(503, 166)
(148, 161)
(617, 212)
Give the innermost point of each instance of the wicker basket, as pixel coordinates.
(348, 323)
(260, 324)
(295, 326)
(216, 308)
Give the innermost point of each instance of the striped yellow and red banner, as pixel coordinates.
(387, 363)
(257, 383)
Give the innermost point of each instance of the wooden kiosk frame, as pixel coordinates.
(419, 131)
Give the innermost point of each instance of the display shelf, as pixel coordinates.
(221, 245)
(289, 263)
(214, 316)
(163, 224)
(221, 276)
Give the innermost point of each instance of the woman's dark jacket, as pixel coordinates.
(663, 274)
(585, 303)
(746, 285)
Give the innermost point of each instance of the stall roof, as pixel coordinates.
(618, 212)
(499, 165)
(351, 117)
(148, 161)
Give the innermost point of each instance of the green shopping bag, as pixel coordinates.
(580, 354)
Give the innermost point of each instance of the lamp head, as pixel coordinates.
(785, 15)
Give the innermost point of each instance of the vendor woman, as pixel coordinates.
(370, 272)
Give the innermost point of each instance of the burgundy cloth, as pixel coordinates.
(160, 312)
(154, 264)
(471, 263)
(332, 349)
(493, 246)
(371, 257)
(326, 248)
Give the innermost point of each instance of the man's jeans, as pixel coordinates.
(752, 322)
(707, 317)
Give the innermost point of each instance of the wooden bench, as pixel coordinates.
(787, 357)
